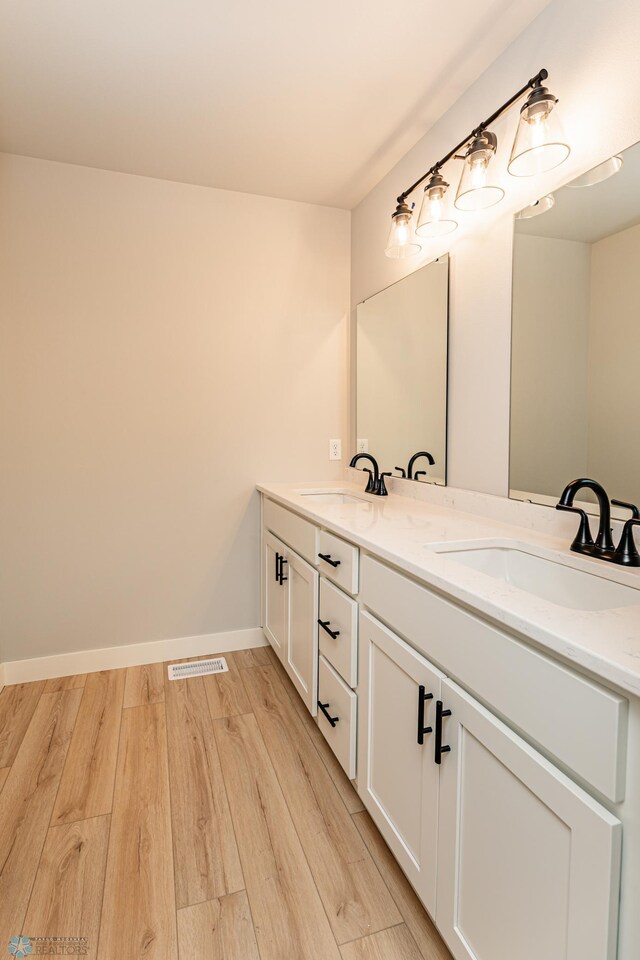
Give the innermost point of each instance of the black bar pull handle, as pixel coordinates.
(334, 634)
(332, 720)
(440, 747)
(423, 696)
(277, 567)
(282, 577)
(327, 558)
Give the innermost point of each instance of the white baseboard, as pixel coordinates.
(131, 655)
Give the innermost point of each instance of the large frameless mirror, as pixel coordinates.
(575, 402)
(402, 374)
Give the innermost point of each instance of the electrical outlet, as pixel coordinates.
(335, 449)
(362, 446)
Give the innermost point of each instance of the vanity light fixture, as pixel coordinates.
(401, 242)
(535, 209)
(431, 222)
(598, 173)
(474, 192)
(538, 146)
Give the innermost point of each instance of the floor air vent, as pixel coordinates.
(181, 671)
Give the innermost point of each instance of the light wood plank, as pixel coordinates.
(27, 800)
(206, 857)
(429, 942)
(17, 706)
(4, 773)
(144, 684)
(354, 895)
(287, 911)
(138, 915)
(86, 789)
(67, 895)
(253, 657)
(225, 691)
(393, 944)
(218, 930)
(57, 684)
(345, 788)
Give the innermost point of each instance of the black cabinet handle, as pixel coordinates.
(277, 567)
(423, 696)
(281, 577)
(440, 747)
(327, 558)
(325, 626)
(332, 720)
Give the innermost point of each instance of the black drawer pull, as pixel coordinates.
(440, 747)
(327, 558)
(279, 574)
(332, 720)
(423, 696)
(325, 626)
(277, 567)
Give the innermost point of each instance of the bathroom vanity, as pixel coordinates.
(481, 686)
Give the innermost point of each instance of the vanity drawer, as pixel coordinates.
(582, 724)
(341, 704)
(339, 612)
(342, 565)
(293, 530)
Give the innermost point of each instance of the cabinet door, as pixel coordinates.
(397, 777)
(528, 863)
(275, 595)
(302, 643)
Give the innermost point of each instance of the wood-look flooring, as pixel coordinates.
(197, 819)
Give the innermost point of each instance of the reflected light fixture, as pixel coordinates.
(474, 191)
(401, 242)
(535, 209)
(598, 173)
(432, 222)
(538, 146)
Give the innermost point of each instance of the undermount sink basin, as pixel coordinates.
(330, 496)
(551, 579)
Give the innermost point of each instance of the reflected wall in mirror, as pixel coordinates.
(402, 372)
(575, 402)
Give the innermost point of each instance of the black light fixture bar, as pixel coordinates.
(533, 82)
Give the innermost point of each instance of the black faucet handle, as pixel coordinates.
(419, 473)
(583, 541)
(626, 552)
(635, 512)
(382, 490)
(371, 485)
(403, 472)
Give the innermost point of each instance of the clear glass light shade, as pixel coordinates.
(475, 192)
(433, 221)
(402, 242)
(597, 174)
(535, 209)
(539, 144)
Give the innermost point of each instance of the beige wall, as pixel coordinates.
(549, 393)
(163, 347)
(614, 371)
(590, 55)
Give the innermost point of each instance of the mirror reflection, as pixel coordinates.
(575, 404)
(402, 375)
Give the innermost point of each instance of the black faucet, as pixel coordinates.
(420, 453)
(603, 547)
(374, 478)
(626, 552)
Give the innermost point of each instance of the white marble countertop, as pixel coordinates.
(407, 533)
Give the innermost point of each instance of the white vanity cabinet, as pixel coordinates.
(290, 615)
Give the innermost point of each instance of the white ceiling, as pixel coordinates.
(305, 100)
(589, 214)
